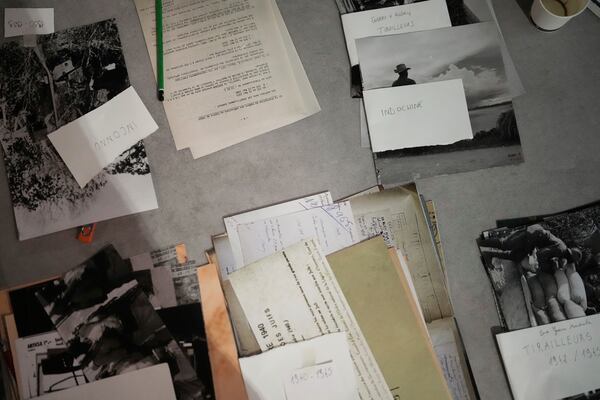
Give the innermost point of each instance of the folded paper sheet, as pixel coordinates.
(552, 361)
(332, 226)
(388, 316)
(231, 72)
(91, 142)
(293, 296)
(277, 210)
(429, 114)
(316, 369)
(150, 383)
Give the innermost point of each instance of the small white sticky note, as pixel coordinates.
(28, 21)
(91, 142)
(317, 382)
(428, 114)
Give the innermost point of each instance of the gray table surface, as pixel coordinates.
(559, 119)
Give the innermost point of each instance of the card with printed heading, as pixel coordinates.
(417, 115)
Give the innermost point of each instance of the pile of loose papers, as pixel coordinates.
(302, 272)
(231, 71)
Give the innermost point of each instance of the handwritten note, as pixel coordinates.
(277, 210)
(414, 17)
(553, 361)
(317, 382)
(28, 21)
(93, 141)
(319, 368)
(332, 226)
(428, 114)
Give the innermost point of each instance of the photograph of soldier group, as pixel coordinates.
(557, 259)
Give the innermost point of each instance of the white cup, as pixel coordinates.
(549, 15)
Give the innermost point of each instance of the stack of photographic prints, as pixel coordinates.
(544, 270)
(405, 47)
(42, 88)
(110, 327)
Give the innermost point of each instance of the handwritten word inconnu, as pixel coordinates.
(116, 135)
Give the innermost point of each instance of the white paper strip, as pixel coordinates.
(28, 21)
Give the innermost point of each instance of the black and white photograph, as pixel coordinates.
(45, 365)
(185, 281)
(461, 12)
(110, 327)
(470, 52)
(546, 271)
(42, 88)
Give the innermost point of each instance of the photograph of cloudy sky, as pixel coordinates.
(470, 52)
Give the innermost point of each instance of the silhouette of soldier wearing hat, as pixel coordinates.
(403, 79)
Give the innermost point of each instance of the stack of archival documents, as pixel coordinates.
(545, 276)
(301, 272)
(231, 71)
(436, 84)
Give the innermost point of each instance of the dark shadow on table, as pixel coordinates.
(525, 6)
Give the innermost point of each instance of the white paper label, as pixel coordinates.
(91, 142)
(28, 21)
(428, 114)
(553, 361)
(413, 17)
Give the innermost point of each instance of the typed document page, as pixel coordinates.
(231, 71)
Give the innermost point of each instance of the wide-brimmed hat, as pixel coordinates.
(401, 68)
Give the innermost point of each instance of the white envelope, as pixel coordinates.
(91, 142)
(428, 114)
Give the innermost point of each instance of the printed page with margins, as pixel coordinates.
(293, 296)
